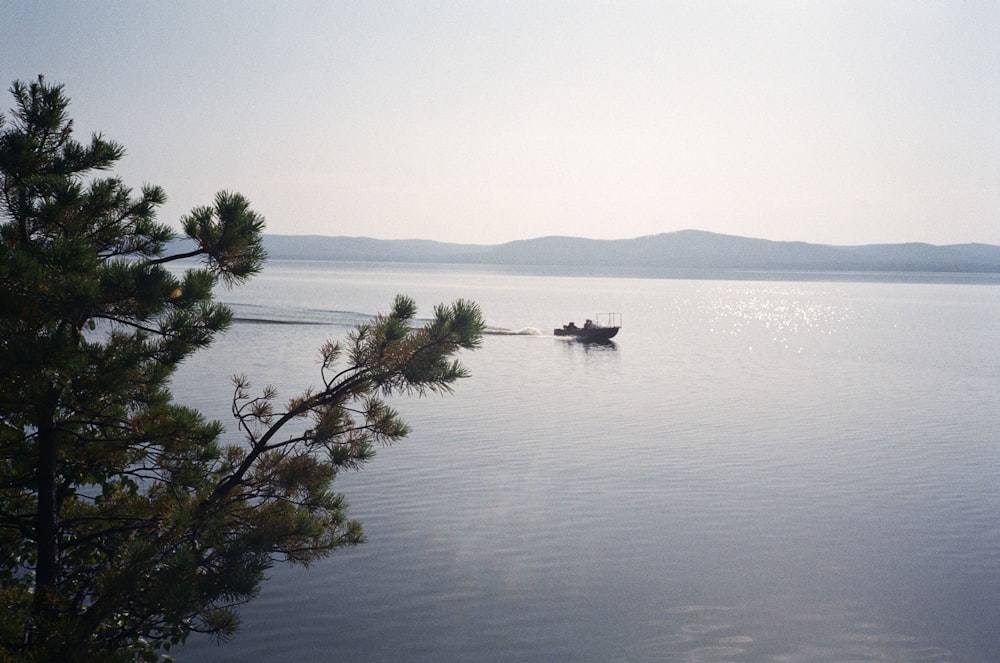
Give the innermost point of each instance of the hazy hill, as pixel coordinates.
(687, 249)
(364, 249)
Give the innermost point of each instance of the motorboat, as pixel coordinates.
(604, 329)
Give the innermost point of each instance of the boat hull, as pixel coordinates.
(588, 334)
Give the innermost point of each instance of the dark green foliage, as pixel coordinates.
(125, 523)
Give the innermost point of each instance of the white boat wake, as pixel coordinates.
(503, 331)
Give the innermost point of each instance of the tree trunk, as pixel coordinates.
(47, 566)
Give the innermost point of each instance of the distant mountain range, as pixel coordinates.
(683, 250)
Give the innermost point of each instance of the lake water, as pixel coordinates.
(755, 470)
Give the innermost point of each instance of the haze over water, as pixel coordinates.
(754, 470)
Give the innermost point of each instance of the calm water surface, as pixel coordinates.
(753, 471)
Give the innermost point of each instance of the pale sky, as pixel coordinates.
(486, 121)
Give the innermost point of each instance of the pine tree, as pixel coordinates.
(125, 522)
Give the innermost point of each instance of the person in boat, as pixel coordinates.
(571, 325)
(588, 324)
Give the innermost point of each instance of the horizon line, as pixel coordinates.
(624, 239)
